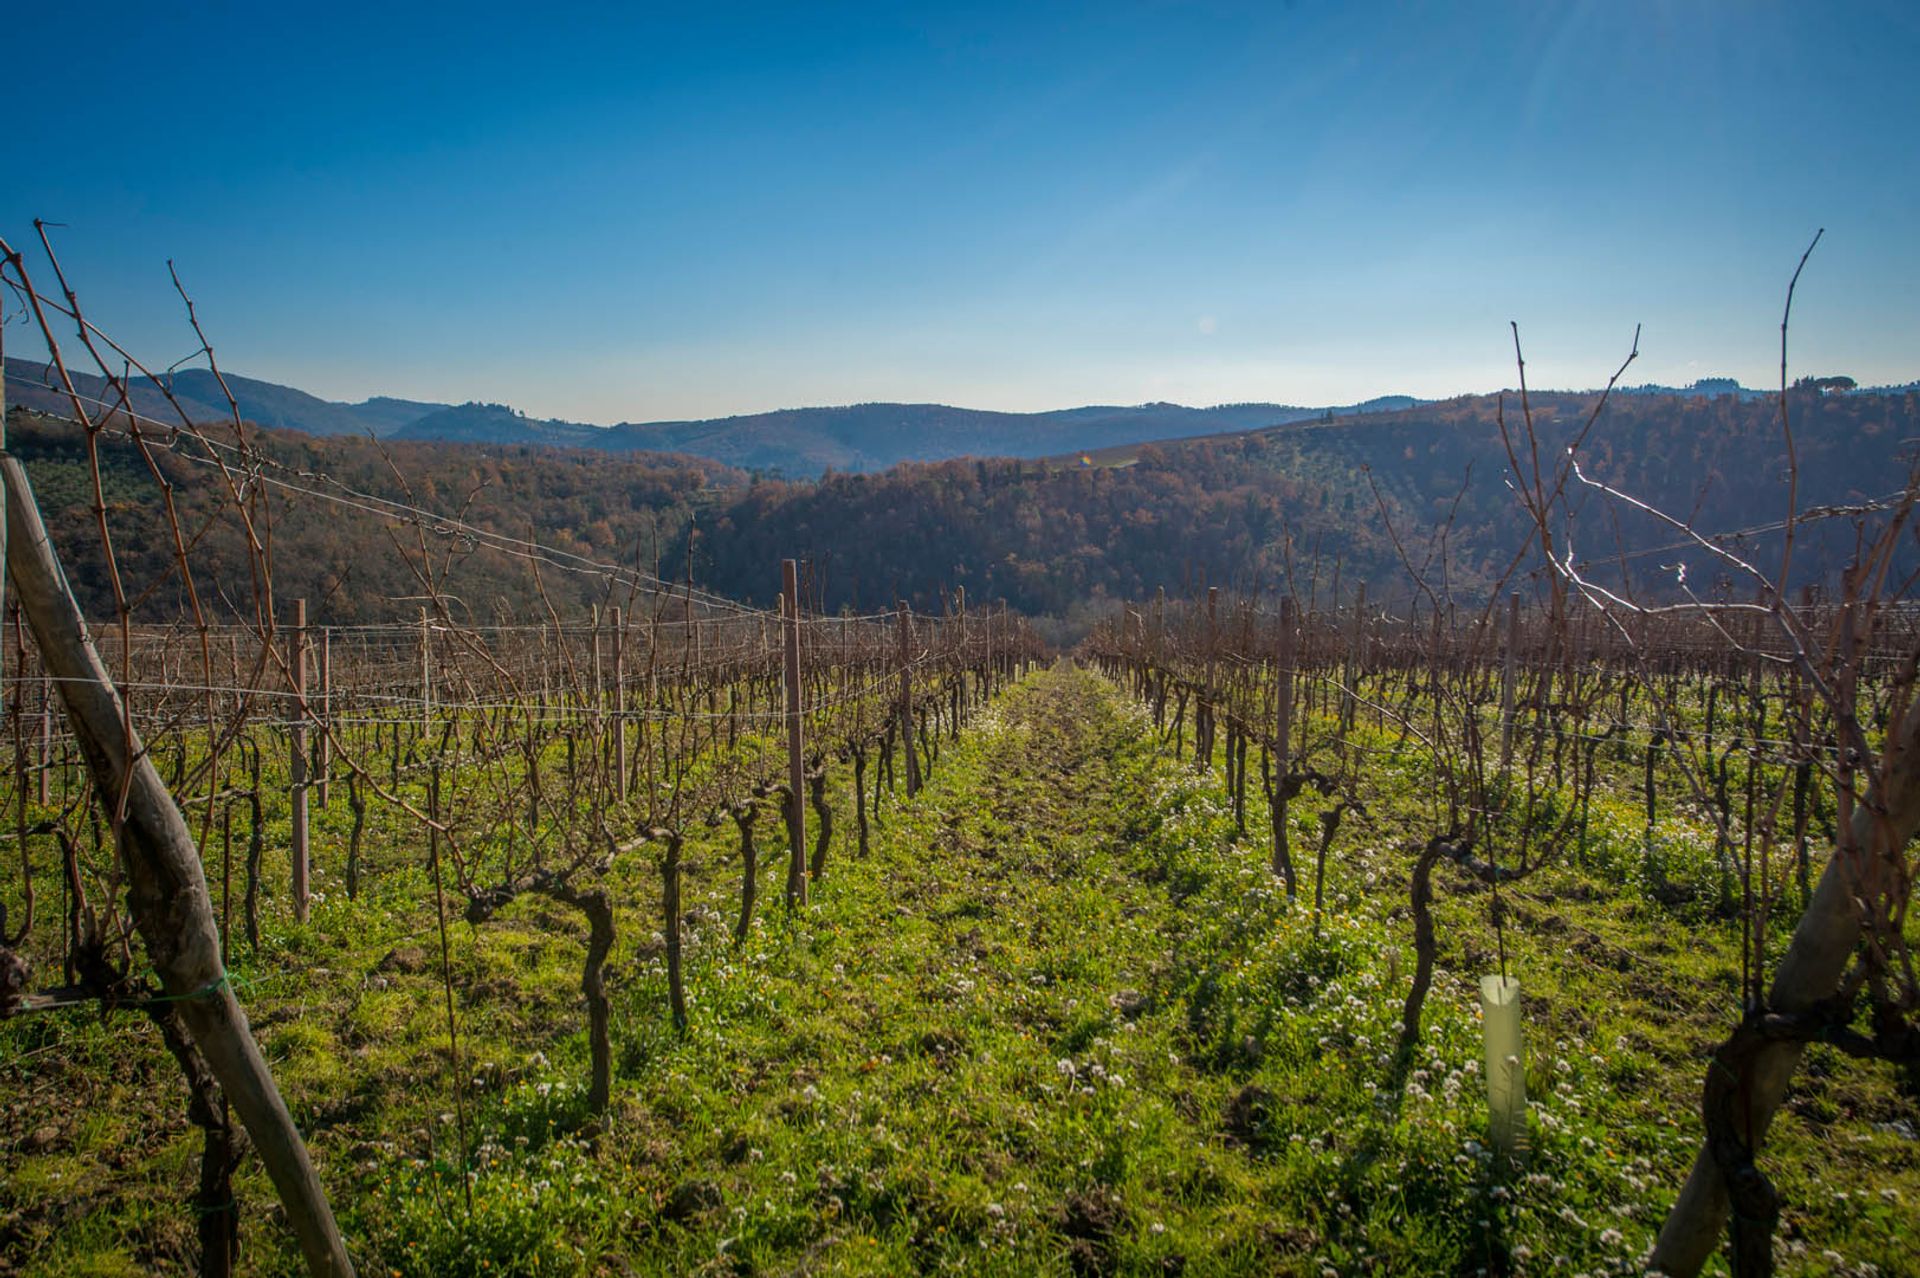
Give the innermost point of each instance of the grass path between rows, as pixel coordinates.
(1060, 1021)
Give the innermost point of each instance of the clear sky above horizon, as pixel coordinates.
(615, 213)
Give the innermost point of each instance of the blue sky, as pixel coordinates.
(614, 213)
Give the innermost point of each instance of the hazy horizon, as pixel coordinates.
(829, 405)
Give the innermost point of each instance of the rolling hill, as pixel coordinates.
(31, 384)
(1285, 506)
(1292, 506)
(794, 442)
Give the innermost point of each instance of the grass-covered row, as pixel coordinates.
(1060, 1021)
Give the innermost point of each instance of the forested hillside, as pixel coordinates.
(1292, 505)
(799, 443)
(335, 540)
(1295, 502)
(203, 398)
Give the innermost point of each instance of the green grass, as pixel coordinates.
(1060, 1022)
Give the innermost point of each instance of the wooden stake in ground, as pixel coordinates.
(906, 700)
(796, 766)
(426, 678)
(297, 762)
(326, 712)
(619, 706)
(1282, 745)
(166, 890)
(1506, 683)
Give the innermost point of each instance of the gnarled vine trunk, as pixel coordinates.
(817, 796)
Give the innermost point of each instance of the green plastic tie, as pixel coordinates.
(206, 991)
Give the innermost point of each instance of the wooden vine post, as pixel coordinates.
(1156, 658)
(426, 677)
(619, 705)
(1282, 739)
(1203, 709)
(1356, 661)
(595, 624)
(1506, 683)
(796, 764)
(326, 712)
(960, 615)
(45, 783)
(297, 764)
(21, 673)
(166, 890)
(906, 698)
(986, 669)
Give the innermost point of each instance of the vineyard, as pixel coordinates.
(1265, 932)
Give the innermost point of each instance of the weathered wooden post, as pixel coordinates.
(599, 685)
(619, 705)
(297, 762)
(1203, 711)
(796, 764)
(597, 723)
(1282, 744)
(547, 660)
(166, 889)
(426, 678)
(326, 711)
(959, 702)
(986, 669)
(1356, 658)
(22, 671)
(905, 626)
(46, 737)
(1506, 682)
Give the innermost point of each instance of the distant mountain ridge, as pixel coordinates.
(806, 442)
(1704, 388)
(1358, 495)
(796, 442)
(477, 423)
(31, 384)
(872, 437)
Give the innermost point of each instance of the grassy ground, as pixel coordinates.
(1059, 1022)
